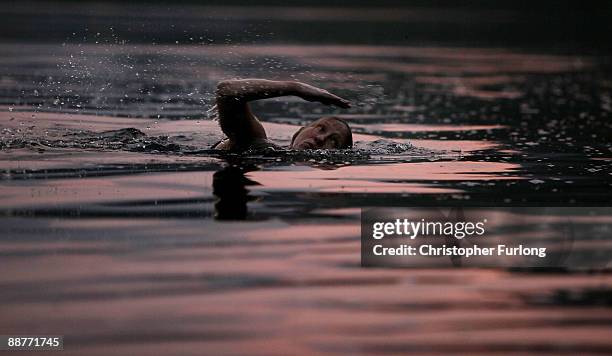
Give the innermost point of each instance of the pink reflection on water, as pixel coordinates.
(457, 56)
(398, 127)
(89, 190)
(397, 178)
(475, 86)
(479, 80)
(539, 65)
(455, 145)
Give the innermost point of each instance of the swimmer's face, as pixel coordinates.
(327, 132)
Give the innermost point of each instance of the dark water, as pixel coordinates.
(123, 231)
(545, 115)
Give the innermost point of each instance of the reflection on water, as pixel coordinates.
(230, 188)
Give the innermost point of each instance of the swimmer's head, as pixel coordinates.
(327, 132)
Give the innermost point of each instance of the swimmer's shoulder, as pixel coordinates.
(223, 145)
(264, 144)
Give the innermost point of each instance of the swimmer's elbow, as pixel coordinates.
(226, 88)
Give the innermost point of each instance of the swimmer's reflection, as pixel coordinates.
(230, 188)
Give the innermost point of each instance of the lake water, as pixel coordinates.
(121, 230)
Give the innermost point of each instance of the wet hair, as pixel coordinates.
(349, 142)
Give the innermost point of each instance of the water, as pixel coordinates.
(123, 231)
(541, 118)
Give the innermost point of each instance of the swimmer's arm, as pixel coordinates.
(235, 117)
(246, 90)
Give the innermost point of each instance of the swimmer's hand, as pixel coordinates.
(310, 93)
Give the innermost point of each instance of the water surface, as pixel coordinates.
(123, 231)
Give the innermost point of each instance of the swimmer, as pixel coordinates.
(244, 131)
